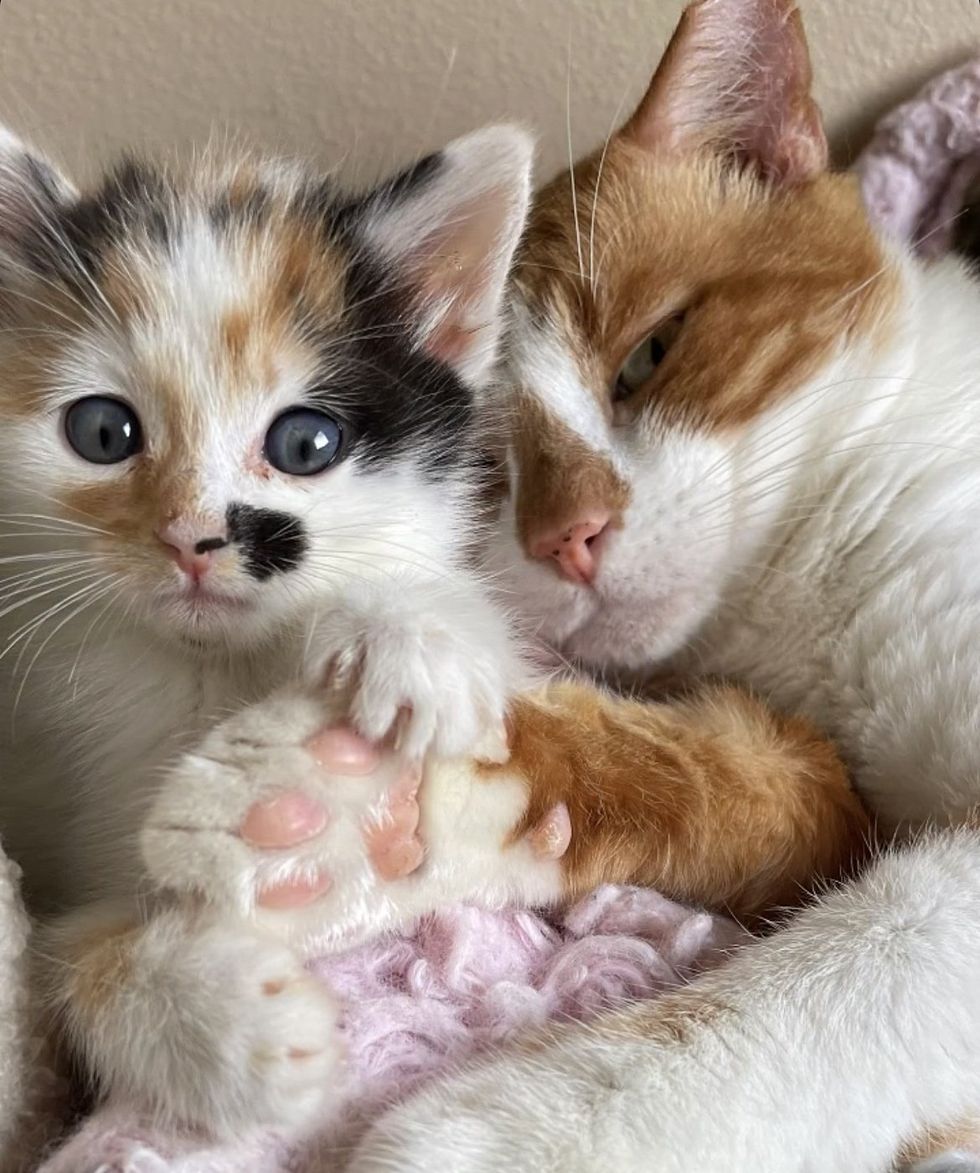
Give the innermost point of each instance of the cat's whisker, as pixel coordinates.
(571, 161)
(597, 187)
(88, 632)
(72, 615)
(831, 450)
(60, 586)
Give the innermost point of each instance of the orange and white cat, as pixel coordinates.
(745, 443)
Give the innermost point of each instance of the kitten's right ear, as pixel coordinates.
(31, 190)
(735, 79)
(448, 229)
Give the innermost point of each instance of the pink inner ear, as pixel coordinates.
(736, 78)
(449, 343)
(458, 276)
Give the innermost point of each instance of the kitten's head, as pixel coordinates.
(677, 296)
(227, 394)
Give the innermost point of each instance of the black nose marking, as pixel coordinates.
(205, 545)
(271, 542)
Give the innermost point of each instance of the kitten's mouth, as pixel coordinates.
(202, 600)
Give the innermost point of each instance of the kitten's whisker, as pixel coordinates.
(65, 620)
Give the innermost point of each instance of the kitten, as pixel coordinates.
(239, 450)
(240, 458)
(744, 444)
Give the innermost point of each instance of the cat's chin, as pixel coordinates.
(634, 635)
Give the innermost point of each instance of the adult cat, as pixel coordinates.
(745, 444)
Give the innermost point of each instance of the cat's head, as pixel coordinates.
(679, 296)
(227, 393)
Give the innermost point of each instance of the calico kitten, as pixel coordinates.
(745, 444)
(239, 450)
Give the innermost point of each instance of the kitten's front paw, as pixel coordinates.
(223, 1029)
(437, 670)
(279, 820)
(326, 839)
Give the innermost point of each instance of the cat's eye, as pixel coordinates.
(643, 361)
(303, 441)
(103, 430)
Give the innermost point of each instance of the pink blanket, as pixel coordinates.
(413, 1006)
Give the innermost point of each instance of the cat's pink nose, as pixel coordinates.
(191, 548)
(574, 548)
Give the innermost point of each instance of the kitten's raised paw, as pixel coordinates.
(282, 821)
(326, 840)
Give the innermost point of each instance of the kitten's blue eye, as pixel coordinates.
(103, 430)
(303, 441)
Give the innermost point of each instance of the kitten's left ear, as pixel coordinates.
(449, 226)
(735, 79)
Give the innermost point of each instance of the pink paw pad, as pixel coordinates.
(289, 818)
(393, 844)
(342, 751)
(295, 893)
(551, 837)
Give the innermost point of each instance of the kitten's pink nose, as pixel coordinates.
(574, 548)
(191, 548)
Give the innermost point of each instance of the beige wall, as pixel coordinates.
(373, 82)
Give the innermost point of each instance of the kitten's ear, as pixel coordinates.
(30, 191)
(449, 226)
(736, 79)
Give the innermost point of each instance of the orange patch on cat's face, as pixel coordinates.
(558, 471)
(773, 282)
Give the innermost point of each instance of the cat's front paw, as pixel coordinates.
(437, 669)
(280, 820)
(326, 839)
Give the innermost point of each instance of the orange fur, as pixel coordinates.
(964, 1135)
(711, 799)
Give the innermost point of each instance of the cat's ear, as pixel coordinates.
(31, 190)
(736, 79)
(449, 228)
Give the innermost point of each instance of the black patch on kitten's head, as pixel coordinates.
(398, 400)
(271, 542)
(133, 198)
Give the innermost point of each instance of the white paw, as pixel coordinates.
(326, 840)
(439, 667)
(202, 838)
(224, 1029)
